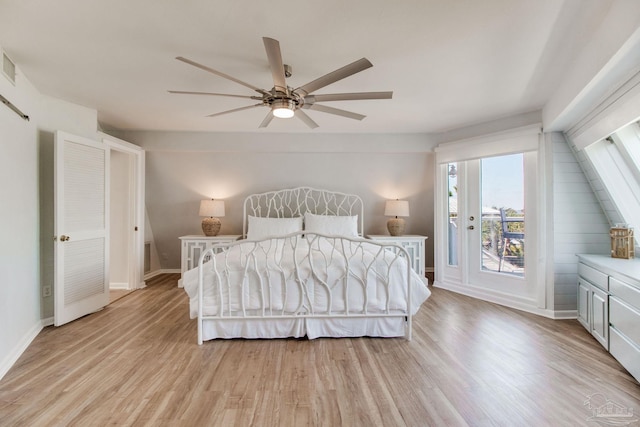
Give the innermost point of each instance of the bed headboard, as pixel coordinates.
(294, 202)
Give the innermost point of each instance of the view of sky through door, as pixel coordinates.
(503, 216)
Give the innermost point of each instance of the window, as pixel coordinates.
(616, 162)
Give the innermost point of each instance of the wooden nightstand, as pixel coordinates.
(194, 245)
(413, 244)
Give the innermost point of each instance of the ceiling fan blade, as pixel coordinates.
(274, 55)
(266, 120)
(235, 109)
(334, 76)
(348, 96)
(183, 92)
(306, 119)
(221, 74)
(336, 111)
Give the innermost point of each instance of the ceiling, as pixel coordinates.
(449, 63)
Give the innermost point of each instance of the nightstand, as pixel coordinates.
(413, 244)
(194, 245)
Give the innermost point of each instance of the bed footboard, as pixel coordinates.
(304, 276)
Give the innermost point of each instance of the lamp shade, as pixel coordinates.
(396, 208)
(212, 208)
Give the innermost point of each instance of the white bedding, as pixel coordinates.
(302, 275)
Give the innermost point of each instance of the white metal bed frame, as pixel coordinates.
(348, 250)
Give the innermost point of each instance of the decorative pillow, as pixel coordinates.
(330, 224)
(260, 228)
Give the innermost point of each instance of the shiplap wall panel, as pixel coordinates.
(580, 225)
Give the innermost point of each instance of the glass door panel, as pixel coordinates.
(503, 217)
(452, 213)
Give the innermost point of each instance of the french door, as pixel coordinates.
(487, 228)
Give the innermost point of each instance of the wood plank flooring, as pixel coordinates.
(470, 363)
(116, 294)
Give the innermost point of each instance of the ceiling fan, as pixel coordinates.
(286, 102)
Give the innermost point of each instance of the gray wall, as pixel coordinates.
(376, 168)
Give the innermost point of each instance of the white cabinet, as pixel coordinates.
(593, 302)
(413, 244)
(593, 311)
(624, 318)
(609, 306)
(600, 316)
(194, 245)
(584, 292)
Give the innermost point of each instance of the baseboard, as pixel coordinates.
(17, 351)
(517, 304)
(47, 322)
(565, 314)
(119, 286)
(155, 273)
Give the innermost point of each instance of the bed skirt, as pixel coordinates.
(298, 328)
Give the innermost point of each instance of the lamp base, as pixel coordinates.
(211, 226)
(396, 226)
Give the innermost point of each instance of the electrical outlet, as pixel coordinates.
(46, 291)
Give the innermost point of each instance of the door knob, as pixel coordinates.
(471, 227)
(64, 238)
(471, 218)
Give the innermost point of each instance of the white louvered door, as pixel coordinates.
(81, 219)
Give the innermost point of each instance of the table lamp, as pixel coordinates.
(211, 209)
(396, 208)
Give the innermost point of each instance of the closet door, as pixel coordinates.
(81, 217)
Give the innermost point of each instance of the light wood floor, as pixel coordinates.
(470, 363)
(116, 294)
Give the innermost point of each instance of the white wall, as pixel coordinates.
(120, 213)
(26, 211)
(610, 58)
(19, 257)
(154, 258)
(183, 168)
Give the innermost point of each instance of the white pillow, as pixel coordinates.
(260, 228)
(330, 224)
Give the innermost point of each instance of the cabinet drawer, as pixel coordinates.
(626, 353)
(594, 276)
(627, 293)
(625, 319)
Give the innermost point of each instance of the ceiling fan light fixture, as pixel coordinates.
(283, 108)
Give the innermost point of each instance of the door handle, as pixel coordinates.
(471, 227)
(64, 238)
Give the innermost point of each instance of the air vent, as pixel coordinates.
(8, 68)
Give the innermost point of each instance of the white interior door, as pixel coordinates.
(81, 189)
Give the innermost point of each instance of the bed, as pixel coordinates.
(303, 269)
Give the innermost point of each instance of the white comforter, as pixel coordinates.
(304, 275)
